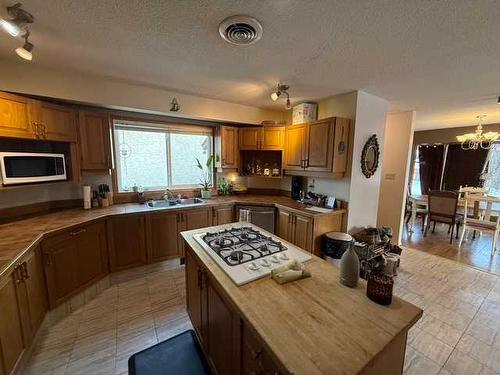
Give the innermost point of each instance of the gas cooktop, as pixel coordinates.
(246, 252)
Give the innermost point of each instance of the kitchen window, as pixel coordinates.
(156, 156)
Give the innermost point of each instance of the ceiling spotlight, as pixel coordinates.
(281, 89)
(25, 50)
(19, 20)
(498, 101)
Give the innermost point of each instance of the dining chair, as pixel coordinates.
(420, 212)
(443, 209)
(483, 222)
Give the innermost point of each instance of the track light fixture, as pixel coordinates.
(25, 50)
(17, 20)
(281, 89)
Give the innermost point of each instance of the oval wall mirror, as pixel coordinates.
(370, 156)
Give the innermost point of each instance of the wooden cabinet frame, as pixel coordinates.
(262, 138)
(318, 149)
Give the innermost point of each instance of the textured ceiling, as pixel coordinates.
(438, 57)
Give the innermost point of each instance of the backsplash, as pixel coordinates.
(50, 192)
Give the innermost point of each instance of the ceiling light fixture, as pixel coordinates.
(498, 101)
(478, 139)
(19, 20)
(26, 50)
(281, 89)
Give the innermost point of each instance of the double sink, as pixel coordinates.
(160, 203)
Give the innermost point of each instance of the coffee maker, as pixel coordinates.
(297, 187)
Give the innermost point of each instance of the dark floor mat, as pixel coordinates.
(179, 355)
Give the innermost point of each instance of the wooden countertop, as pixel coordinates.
(19, 236)
(315, 325)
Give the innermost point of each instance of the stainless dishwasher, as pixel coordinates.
(262, 216)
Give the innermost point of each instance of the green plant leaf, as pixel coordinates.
(210, 161)
(198, 164)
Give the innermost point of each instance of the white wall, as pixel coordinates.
(35, 80)
(395, 171)
(371, 113)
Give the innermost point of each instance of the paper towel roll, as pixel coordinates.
(86, 197)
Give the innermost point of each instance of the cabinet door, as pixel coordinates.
(94, 139)
(17, 116)
(92, 253)
(59, 122)
(302, 231)
(11, 337)
(61, 267)
(341, 145)
(197, 218)
(229, 147)
(320, 146)
(223, 333)
(126, 242)
(273, 138)
(31, 294)
(295, 146)
(284, 225)
(223, 215)
(35, 285)
(162, 236)
(250, 138)
(194, 294)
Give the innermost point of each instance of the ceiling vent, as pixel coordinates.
(240, 30)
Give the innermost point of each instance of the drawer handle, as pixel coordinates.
(77, 232)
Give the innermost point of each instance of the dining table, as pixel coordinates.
(422, 201)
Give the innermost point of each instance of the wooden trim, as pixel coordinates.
(128, 197)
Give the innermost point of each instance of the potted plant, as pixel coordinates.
(206, 181)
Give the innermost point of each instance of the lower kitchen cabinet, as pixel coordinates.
(162, 231)
(223, 215)
(305, 231)
(74, 259)
(31, 293)
(126, 242)
(228, 344)
(193, 219)
(11, 333)
(295, 229)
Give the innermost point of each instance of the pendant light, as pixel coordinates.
(25, 51)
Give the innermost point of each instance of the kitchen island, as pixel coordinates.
(310, 326)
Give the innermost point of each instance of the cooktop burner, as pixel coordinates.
(242, 244)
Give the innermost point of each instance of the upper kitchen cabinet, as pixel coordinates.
(295, 147)
(318, 148)
(262, 138)
(229, 147)
(94, 141)
(22, 117)
(55, 122)
(17, 116)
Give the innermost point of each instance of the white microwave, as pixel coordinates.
(25, 167)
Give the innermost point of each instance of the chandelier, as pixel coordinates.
(473, 141)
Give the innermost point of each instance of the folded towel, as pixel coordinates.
(290, 271)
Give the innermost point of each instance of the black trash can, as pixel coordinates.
(335, 244)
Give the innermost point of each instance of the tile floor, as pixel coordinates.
(458, 334)
(142, 307)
